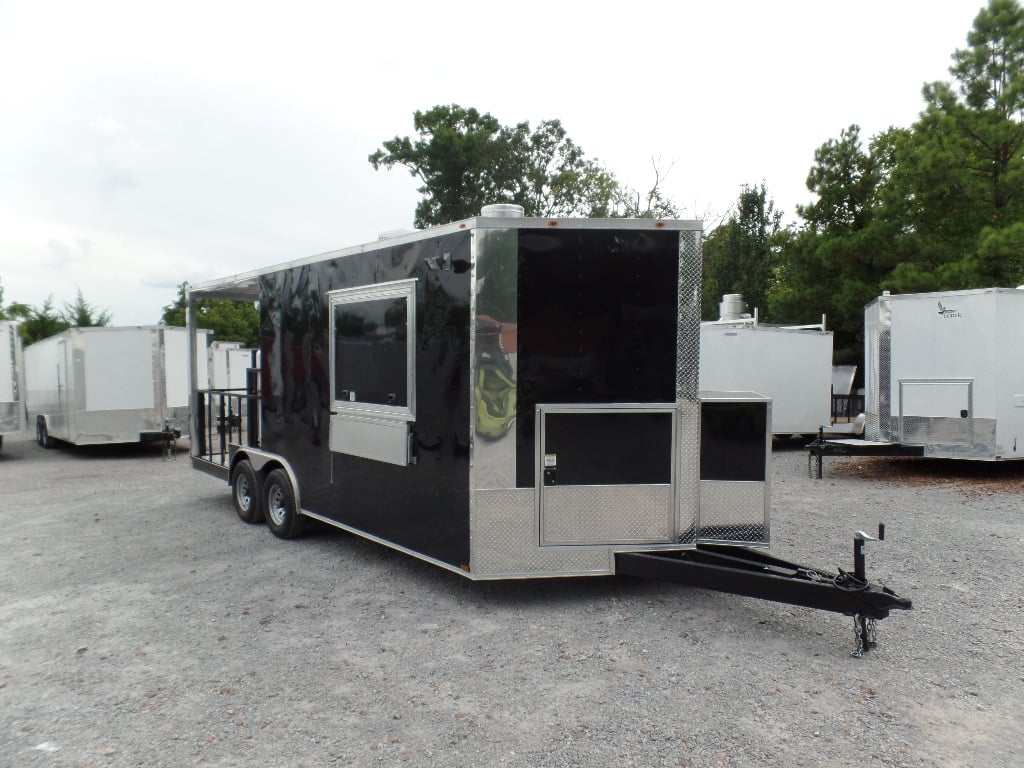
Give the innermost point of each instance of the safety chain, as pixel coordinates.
(866, 633)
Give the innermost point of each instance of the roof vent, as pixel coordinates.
(502, 211)
(732, 307)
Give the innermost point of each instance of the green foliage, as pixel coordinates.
(466, 160)
(39, 323)
(80, 314)
(42, 323)
(228, 320)
(958, 175)
(835, 264)
(937, 206)
(741, 255)
(14, 310)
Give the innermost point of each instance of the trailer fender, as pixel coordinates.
(264, 463)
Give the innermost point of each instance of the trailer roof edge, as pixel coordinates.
(243, 286)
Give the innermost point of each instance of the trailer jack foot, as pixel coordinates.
(865, 633)
(170, 442)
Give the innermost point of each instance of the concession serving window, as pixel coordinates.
(373, 392)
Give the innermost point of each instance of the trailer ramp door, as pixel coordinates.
(605, 474)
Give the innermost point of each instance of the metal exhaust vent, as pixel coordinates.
(503, 211)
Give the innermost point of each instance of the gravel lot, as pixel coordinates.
(141, 624)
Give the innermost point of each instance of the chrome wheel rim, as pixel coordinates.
(243, 493)
(276, 507)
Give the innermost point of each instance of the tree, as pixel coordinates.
(228, 320)
(937, 206)
(740, 255)
(466, 160)
(45, 321)
(81, 314)
(846, 180)
(14, 310)
(652, 204)
(42, 323)
(958, 178)
(836, 262)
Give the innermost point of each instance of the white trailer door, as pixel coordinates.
(932, 400)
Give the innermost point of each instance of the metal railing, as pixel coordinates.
(847, 406)
(228, 417)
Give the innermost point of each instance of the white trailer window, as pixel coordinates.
(373, 332)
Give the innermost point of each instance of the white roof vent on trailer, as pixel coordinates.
(732, 307)
(503, 211)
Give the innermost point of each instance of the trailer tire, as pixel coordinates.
(43, 434)
(279, 509)
(245, 493)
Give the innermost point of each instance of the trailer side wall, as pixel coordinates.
(423, 506)
(12, 379)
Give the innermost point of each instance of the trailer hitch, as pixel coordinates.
(865, 629)
(755, 573)
(169, 438)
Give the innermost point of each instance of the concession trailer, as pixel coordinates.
(508, 397)
(943, 377)
(790, 364)
(12, 380)
(101, 385)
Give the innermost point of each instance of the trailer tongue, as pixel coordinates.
(753, 573)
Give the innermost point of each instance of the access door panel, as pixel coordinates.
(606, 474)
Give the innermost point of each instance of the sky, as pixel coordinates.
(143, 145)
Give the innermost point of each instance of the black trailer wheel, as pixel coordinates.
(43, 434)
(283, 518)
(245, 492)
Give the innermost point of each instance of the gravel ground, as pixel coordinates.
(141, 624)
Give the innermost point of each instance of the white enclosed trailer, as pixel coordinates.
(945, 372)
(943, 377)
(90, 386)
(227, 363)
(12, 380)
(792, 365)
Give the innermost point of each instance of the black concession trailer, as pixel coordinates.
(508, 397)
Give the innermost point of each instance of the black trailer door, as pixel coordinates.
(606, 473)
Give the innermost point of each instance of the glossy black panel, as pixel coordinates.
(424, 506)
(596, 323)
(622, 448)
(733, 441)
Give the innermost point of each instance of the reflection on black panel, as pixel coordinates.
(370, 351)
(733, 441)
(597, 316)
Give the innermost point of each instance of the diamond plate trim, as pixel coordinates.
(608, 514)
(734, 512)
(951, 437)
(687, 386)
(504, 541)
